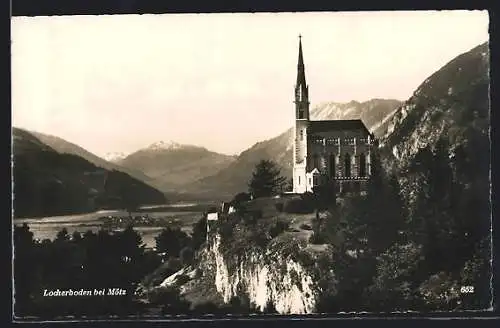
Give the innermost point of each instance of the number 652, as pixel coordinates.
(467, 289)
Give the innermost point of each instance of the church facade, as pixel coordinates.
(328, 151)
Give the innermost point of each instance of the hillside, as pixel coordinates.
(47, 182)
(65, 147)
(451, 108)
(372, 112)
(234, 178)
(419, 235)
(438, 147)
(171, 165)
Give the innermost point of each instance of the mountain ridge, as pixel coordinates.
(451, 110)
(171, 164)
(234, 178)
(63, 146)
(48, 182)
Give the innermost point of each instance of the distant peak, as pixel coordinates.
(114, 156)
(165, 145)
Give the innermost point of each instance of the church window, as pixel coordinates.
(332, 165)
(301, 114)
(316, 161)
(362, 165)
(299, 179)
(347, 165)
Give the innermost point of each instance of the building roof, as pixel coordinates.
(339, 125)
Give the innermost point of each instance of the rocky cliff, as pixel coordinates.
(265, 278)
(286, 277)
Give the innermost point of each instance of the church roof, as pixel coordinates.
(331, 125)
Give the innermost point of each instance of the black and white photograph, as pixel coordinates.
(229, 165)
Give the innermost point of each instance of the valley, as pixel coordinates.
(179, 215)
(420, 231)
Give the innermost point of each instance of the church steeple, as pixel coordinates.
(301, 75)
(301, 88)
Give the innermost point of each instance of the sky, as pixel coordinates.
(118, 83)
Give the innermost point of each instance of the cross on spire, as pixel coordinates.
(301, 60)
(301, 78)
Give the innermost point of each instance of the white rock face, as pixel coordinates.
(263, 282)
(172, 279)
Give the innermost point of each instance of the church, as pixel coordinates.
(327, 151)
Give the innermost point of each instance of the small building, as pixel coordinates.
(212, 217)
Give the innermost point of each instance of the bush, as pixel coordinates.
(298, 206)
(174, 264)
(279, 207)
(199, 234)
(278, 227)
(158, 275)
(240, 198)
(257, 214)
(172, 241)
(269, 309)
(251, 217)
(225, 229)
(305, 226)
(317, 239)
(182, 279)
(186, 256)
(240, 304)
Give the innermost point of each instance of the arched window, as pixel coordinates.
(316, 161)
(362, 165)
(347, 165)
(332, 165)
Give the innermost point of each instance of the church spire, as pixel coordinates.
(301, 76)
(301, 89)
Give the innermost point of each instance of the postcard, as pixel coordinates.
(173, 166)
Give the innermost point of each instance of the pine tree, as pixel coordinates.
(434, 224)
(266, 179)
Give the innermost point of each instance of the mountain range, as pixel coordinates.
(188, 172)
(172, 165)
(450, 102)
(235, 177)
(54, 177)
(114, 157)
